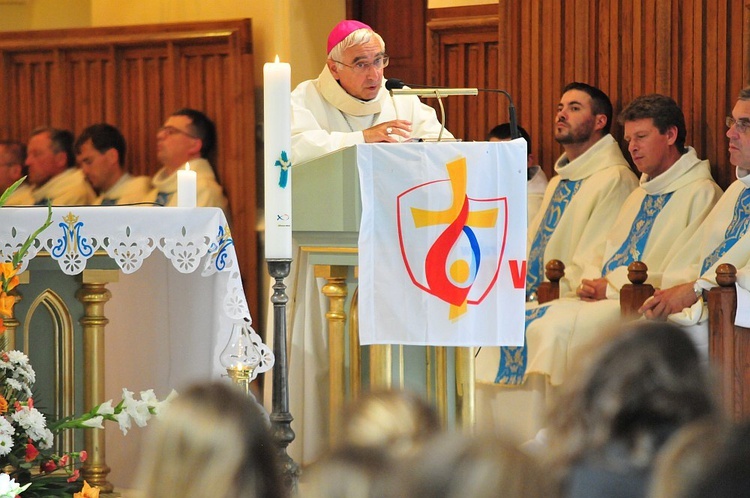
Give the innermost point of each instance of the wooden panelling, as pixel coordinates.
(462, 51)
(133, 77)
(692, 50)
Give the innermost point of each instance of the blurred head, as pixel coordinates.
(584, 114)
(455, 465)
(399, 421)
(212, 440)
(100, 153)
(685, 458)
(186, 134)
(739, 131)
(349, 472)
(49, 152)
(12, 157)
(728, 476)
(655, 132)
(358, 60)
(631, 386)
(501, 133)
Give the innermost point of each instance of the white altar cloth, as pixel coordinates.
(191, 239)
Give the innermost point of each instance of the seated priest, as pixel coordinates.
(100, 152)
(187, 136)
(676, 193)
(722, 238)
(52, 172)
(582, 200)
(348, 104)
(12, 157)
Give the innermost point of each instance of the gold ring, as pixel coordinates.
(389, 130)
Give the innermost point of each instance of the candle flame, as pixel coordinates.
(187, 166)
(276, 61)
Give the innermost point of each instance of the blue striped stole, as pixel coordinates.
(564, 193)
(735, 230)
(512, 367)
(633, 246)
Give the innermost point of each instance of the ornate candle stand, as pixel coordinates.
(281, 419)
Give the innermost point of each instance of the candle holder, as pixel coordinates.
(281, 419)
(240, 357)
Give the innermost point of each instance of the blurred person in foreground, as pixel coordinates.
(632, 391)
(212, 440)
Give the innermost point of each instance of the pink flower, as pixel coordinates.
(74, 477)
(31, 452)
(48, 466)
(83, 455)
(63, 460)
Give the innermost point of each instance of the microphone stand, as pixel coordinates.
(514, 133)
(436, 93)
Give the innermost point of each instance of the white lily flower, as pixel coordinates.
(124, 420)
(105, 408)
(95, 422)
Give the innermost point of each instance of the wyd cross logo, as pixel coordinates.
(454, 254)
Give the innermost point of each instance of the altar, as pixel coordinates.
(126, 297)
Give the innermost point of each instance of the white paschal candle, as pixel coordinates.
(277, 139)
(187, 180)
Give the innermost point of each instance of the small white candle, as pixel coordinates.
(187, 181)
(277, 136)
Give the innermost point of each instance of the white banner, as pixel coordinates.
(442, 243)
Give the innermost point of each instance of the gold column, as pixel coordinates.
(381, 366)
(465, 394)
(441, 383)
(335, 290)
(94, 295)
(355, 367)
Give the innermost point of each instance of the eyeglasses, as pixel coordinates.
(742, 124)
(362, 67)
(171, 130)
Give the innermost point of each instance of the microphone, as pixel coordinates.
(396, 87)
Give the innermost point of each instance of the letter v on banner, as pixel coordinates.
(518, 275)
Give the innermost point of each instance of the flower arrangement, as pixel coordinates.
(26, 441)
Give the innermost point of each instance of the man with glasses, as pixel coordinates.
(721, 238)
(52, 171)
(187, 136)
(348, 103)
(12, 157)
(100, 151)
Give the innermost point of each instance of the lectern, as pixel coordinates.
(327, 212)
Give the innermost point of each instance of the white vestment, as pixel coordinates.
(670, 208)
(602, 180)
(128, 189)
(699, 257)
(535, 189)
(69, 188)
(326, 118)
